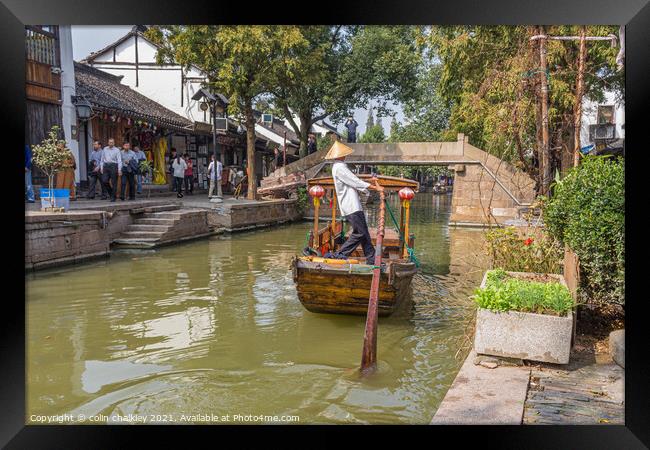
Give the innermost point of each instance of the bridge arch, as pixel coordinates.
(486, 188)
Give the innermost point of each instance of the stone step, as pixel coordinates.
(148, 227)
(154, 221)
(142, 234)
(162, 215)
(161, 208)
(135, 243)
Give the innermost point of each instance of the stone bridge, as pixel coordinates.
(486, 188)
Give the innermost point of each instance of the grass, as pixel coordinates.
(505, 293)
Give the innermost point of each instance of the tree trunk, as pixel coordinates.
(250, 148)
(305, 124)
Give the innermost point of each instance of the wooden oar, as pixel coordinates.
(369, 355)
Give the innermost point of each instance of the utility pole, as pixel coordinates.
(579, 92)
(545, 162)
(545, 170)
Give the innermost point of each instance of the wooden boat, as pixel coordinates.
(341, 286)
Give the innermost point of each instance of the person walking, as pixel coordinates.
(94, 174)
(129, 167)
(214, 173)
(178, 167)
(311, 144)
(139, 157)
(351, 125)
(172, 157)
(189, 175)
(347, 186)
(28, 175)
(111, 167)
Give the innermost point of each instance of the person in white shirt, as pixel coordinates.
(110, 166)
(215, 176)
(178, 166)
(346, 185)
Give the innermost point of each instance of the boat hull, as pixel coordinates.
(341, 289)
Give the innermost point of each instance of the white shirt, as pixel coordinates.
(346, 185)
(111, 155)
(219, 170)
(179, 168)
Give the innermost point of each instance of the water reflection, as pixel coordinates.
(215, 326)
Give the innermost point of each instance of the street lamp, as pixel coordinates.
(84, 112)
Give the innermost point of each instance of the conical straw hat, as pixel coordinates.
(338, 150)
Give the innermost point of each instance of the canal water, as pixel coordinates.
(215, 327)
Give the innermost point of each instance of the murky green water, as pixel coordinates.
(215, 327)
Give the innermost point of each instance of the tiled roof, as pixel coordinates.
(278, 127)
(105, 92)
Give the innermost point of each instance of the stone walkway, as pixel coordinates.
(589, 391)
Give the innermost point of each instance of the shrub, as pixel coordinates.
(51, 155)
(505, 293)
(587, 213)
(533, 252)
(303, 199)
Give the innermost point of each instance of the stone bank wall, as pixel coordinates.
(253, 215)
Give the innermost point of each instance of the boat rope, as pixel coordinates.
(410, 251)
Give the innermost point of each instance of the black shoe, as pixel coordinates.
(122, 198)
(131, 198)
(90, 198)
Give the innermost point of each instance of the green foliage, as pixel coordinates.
(587, 213)
(426, 113)
(535, 253)
(490, 77)
(414, 172)
(373, 134)
(505, 293)
(303, 199)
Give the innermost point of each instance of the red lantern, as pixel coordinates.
(406, 194)
(317, 191)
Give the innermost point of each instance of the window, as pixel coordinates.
(605, 114)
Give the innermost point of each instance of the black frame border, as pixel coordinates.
(635, 14)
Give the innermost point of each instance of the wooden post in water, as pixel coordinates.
(333, 225)
(369, 355)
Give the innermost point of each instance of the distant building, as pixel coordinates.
(49, 89)
(320, 127)
(603, 123)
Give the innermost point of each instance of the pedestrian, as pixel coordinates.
(139, 156)
(346, 185)
(129, 168)
(351, 126)
(94, 174)
(311, 144)
(178, 169)
(189, 175)
(214, 173)
(172, 157)
(276, 158)
(28, 175)
(65, 177)
(111, 167)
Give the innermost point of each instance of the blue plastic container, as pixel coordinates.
(58, 198)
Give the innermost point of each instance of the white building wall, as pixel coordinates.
(69, 113)
(590, 116)
(160, 83)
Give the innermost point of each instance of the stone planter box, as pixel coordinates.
(514, 334)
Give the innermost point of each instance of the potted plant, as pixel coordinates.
(51, 156)
(524, 315)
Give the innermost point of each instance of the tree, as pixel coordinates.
(51, 156)
(240, 61)
(341, 68)
(371, 121)
(491, 78)
(427, 113)
(373, 134)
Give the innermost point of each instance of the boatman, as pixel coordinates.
(347, 186)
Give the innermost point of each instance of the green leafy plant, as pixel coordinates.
(503, 292)
(534, 251)
(51, 156)
(587, 213)
(303, 199)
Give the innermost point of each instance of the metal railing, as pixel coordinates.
(41, 46)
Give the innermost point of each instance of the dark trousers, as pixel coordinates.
(359, 235)
(109, 179)
(93, 177)
(178, 185)
(189, 183)
(128, 177)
